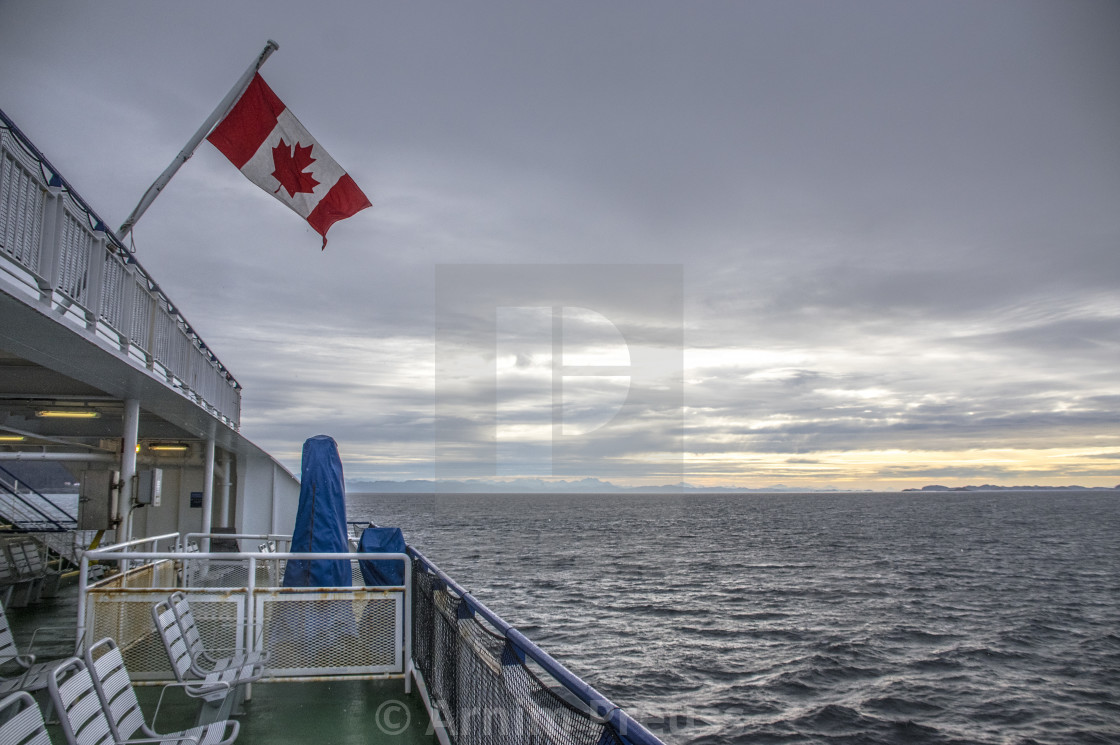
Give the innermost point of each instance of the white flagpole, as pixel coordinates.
(188, 150)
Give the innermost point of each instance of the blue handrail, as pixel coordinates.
(625, 726)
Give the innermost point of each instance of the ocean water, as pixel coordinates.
(806, 618)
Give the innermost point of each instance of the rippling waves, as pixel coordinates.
(806, 618)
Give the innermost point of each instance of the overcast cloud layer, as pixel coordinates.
(898, 223)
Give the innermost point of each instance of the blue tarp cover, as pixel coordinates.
(382, 541)
(321, 518)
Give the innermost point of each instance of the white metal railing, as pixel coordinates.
(239, 603)
(56, 250)
(278, 542)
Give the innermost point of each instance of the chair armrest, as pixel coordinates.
(35, 633)
(168, 739)
(184, 685)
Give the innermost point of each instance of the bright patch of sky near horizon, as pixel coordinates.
(898, 222)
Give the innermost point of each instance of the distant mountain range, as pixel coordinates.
(53, 477)
(598, 486)
(524, 486)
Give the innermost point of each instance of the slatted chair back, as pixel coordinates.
(24, 584)
(215, 686)
(178, 652)
(79, 709)
(182, 610)
(126, 719)
(28, 560)
(33, 556)
(247, 665)
(8, 572)
(114, 688)
(22, 721)
(8, 650)
(33, 676)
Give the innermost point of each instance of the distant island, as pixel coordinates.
(994, 487)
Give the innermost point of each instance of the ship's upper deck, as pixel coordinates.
(82, 316)
(98, 363)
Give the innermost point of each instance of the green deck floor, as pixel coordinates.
(338, 713)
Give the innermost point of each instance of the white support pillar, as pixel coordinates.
(208, 493)
(129, 439)
(225, 474)
(272, 513)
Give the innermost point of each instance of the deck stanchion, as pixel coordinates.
(407, 625)
(250, 628)
(130, 436)
(83, 589)
(207, 496)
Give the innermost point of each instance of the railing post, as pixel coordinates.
(251, 609)
(95, 278)
(207, 495)
(154, 308)
(128, 297)
(49, 242)
(407, 626)
(83, 590)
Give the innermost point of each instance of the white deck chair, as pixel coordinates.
(125, 718)
(220, 690)
(23, 586)
(83, 717)
(22, 721)
(28, 674)
(202, 662)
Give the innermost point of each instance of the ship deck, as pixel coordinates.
(341, 712)
(346, 712)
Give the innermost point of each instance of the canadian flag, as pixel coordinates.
(262, 137)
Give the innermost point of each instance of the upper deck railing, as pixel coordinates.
(58, 251)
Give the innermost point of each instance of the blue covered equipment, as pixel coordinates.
(320, 519)
(384, 572)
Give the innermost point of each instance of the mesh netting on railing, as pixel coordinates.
(480, 682)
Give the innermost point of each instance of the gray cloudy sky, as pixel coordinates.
(898, 223)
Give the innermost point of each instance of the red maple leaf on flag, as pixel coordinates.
(290, 164)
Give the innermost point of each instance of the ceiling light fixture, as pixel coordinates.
(12, 438)
(68, 414)
(169, 447)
